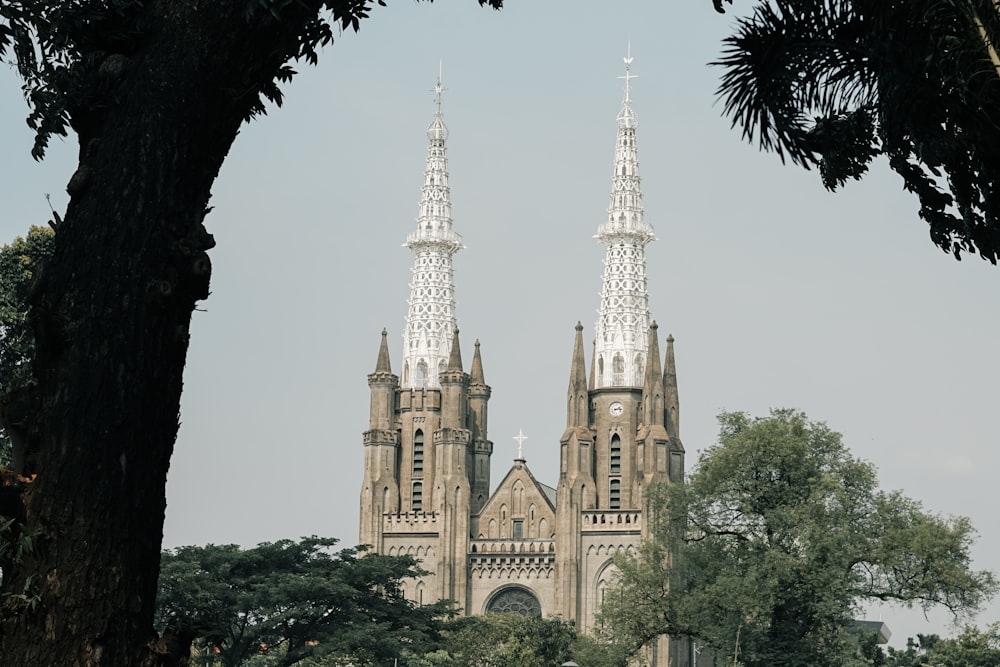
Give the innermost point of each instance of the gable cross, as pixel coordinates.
(520, 437)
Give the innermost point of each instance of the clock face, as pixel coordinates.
(616, 409)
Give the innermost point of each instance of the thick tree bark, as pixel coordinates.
(112, 313)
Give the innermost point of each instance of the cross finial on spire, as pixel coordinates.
(438, 89)
(628, 74)
(520, 437)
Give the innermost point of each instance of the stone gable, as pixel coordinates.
(519, 509)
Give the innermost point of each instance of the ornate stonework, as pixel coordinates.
(524, 547)
(430, 320)
(623, 317)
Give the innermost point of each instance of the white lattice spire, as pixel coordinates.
(430, 320)
(623, 318)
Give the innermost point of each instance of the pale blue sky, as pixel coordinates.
(778, 293)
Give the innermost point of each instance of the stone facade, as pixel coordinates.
(525, 547)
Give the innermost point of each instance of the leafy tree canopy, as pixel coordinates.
(774, 543)
(293, 601)
(19, 263)
(835, 84)
(71, 54)
(972, 648)
(514, 640)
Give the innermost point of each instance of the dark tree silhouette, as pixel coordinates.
(835, 84)
(156, 91)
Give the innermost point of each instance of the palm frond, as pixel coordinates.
(791, 61)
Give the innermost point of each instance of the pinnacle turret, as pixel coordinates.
(431, 316)
(477, 376)
(623, 318)
(652, 387)
(455, 359)
(673, 407)
(382, 364)
(577, 394)
(578, 372)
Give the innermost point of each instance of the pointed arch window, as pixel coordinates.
(615, 499)
(639, 371)
(421, 373)
(616, 455)
(618, 370)
(417, 500)
(418, 454)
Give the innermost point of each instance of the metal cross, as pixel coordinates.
(520, 437)
(438, 89)
(628, 75)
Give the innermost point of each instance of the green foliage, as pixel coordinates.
(514, 640)
(835, 84)
(20, 261)
(972, 648)
(778, 536)
(70, 54)
(293, 601)
(15, 545)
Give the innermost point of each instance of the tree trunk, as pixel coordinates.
(111, 315)
(984, 34)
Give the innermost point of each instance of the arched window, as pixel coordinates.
(515, 601)
(600, 369)
(618, 370)
(616, 455)
(639, 371)
(418, 454)
(616, 494)
(517, 498)
(421, 373)
(417, 500)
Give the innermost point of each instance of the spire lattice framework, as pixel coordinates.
(430, 319)
(623, 318)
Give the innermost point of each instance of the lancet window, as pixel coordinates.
(418, 454)
(417, 500)
(616, 455)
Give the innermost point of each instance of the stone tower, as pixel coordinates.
(427, 455)
(525, 546)
(621, 430)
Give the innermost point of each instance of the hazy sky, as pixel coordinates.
(778, 293)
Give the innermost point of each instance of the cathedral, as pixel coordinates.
(524, 547)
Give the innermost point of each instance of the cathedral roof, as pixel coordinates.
(549, 492)
(520, 470)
